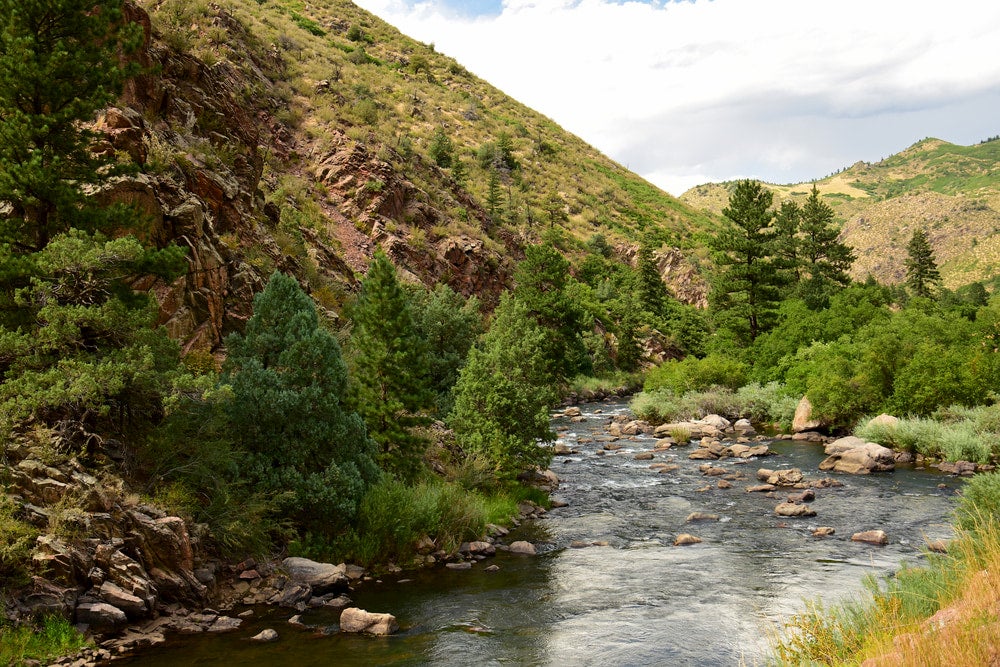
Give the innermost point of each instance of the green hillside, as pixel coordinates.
(950, 191)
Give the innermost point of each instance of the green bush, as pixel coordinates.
(16, 541)
(693, 374)
(954, 441)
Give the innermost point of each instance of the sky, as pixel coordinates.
(685, 92)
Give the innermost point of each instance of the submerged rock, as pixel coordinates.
(265, 636)
(685, 539)
(522, 547)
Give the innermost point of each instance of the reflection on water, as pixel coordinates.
(638, 601)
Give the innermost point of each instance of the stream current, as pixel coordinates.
(639, 600)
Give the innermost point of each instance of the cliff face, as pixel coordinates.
(213, 157)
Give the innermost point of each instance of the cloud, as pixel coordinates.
(776, 89)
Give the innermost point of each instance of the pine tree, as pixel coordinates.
(289, 382)
(449, 324)
(493, 195)
(825, 260)
(540, 286)
(787, 244)
(442, 149)
(745, 290)
(504, 392)
(59, 64)
(922, 274)
(390, 371)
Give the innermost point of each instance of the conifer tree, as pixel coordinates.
(922, 274)
(745, 290)
(289, 383)
(540, 285)
(787, 244)
(60, 62)
(504, 392)
(390, 371)
(825, 260)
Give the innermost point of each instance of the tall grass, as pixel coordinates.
(394, 516)
(960, 439)
(891, 626)
(756, 402)
(54, 637)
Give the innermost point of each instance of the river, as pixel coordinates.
(639, 600)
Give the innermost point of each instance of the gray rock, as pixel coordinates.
(133, 606)
(100, 616)
(322, 577)
(265, 636)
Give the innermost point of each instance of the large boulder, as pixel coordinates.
(877, 537)
(784, 477)
(100, 617)
(803, 419)
(322, 577)
(793, 510)
(857, 457)
(353, 619)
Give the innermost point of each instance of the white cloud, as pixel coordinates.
(775, 89)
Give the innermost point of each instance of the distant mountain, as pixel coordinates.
(950, 191)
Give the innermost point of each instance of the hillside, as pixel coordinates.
(950, 191)
(303, 137)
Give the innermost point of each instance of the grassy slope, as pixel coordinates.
(402, 95)
(952, 192)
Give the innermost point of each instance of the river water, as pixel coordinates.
(639, 600)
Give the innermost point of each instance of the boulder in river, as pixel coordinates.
(857, 457)
(354, 619)
(522, 547)
(685, 539)
(265, 636)
(701, 516)
(803, 419)
(794, 509)
(823, 531)
(322, 577)
(877, 537)
(784, 477)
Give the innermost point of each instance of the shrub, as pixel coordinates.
(693, 374)
(980, 503)
(16, 540)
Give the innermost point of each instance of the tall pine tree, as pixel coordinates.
(825, 260)
(390, 370)
(287, 414)
(745, 291)
(922, 274)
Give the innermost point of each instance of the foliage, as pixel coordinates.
(824, 259)
(504, 391)
(745, 287)
(16, 541)
(60, 62)
(759, 403)
(286, 414)
(693, 374)
(86, 351)
(980, 503)
(449, 324)
(957, 441)
(541, 282)
(391, 388)
(47, 640)
(442, 149)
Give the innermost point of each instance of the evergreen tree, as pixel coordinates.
(441, 150)
(287, 413)
(504, 392)
(449, 324)
(922, 274)
(825, 260)
(458, 172)
(745, 290)
(86, 356)
(390, 372)
(787, 244)
(493, 195)
(59, 64)
(540, 285)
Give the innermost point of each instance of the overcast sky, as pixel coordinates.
(688, 92)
